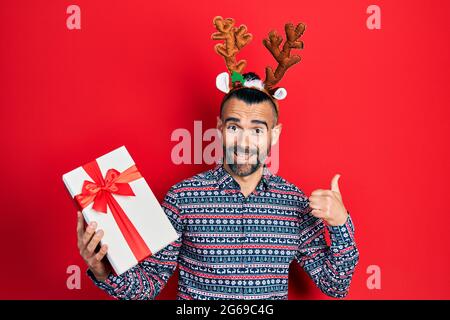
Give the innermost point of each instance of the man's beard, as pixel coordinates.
(249, 164)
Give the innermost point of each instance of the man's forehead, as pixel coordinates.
(236, 108)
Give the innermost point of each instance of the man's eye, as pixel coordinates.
(232, 128)
(259, 130)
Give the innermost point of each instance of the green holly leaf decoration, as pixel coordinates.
(236, 76)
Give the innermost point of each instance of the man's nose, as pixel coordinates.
(243, 139)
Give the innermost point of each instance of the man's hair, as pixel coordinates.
(250, 95)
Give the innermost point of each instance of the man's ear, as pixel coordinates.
(276, 131)
(219, 124)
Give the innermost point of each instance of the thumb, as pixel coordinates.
(334, 183)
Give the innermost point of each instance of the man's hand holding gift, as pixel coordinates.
(92, 253)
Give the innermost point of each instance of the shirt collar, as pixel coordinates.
(226, 181)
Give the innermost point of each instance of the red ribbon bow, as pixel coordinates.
(100, 192)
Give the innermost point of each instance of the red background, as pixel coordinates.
(372, 105)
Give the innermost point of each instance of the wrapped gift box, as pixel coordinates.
(111, 191)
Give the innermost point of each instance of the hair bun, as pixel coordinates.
(251, 76)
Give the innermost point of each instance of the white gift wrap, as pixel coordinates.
(143, 210)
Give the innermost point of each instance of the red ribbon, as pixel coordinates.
(100, 192)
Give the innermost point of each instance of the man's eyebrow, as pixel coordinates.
(252, 121)
(232, 119)
(260, 122)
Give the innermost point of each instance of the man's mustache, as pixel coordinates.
(243, 150)
(246, 151)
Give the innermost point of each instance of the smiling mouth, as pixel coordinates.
(242, 156)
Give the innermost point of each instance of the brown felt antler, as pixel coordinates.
(285, 61)
(235, 39)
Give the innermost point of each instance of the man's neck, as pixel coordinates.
(248, 183)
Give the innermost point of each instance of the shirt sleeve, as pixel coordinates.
(330, 267)
(146, 280)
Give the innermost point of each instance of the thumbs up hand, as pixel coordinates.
(328, 205)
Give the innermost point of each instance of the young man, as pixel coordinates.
(239, 225)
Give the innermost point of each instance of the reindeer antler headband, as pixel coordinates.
(238, 37)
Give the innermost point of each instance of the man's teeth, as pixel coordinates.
(242, 156)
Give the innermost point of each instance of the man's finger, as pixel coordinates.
(101, 254)
(89, 232)
(315, 203)
(334, 183)
(80, 225)
(315, 198)
(94, 242)
(317, 213)
(320, 192)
